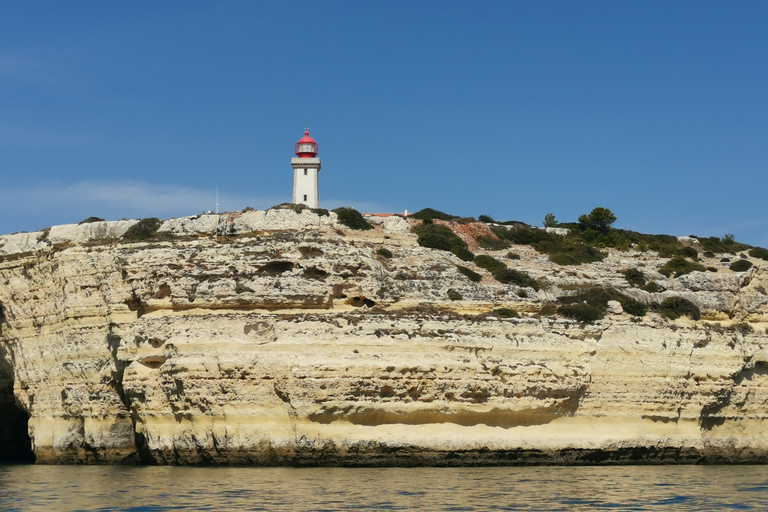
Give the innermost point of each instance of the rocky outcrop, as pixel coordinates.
(285, 338)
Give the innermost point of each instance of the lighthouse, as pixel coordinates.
(306, 166)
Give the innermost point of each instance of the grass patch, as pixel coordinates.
(505, 313)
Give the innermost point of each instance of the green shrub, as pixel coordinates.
(741, 265)
(454, 295)
(320, 212)
(563, 251)
(634, 307)
(507, 275)
(491, 243)
(505, 313)
(721, 245)
(759, 252)
(352, 218)
(489, 263)
(597, 299)
(548, 309)
(675, 307)
(525, 235)
(582, 312)
(664, 250)
(679, 266)
(437, 236)
(576, 254)
(513, 256)
(651, 287)
(688, 251)
(463, 253)
(487, 219)
(634, 277)
(386, 253)
(144, 229)
(89, 220)
(470, 274)
(708, 254)
(429, 214)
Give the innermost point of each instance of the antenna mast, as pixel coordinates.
(217, 198)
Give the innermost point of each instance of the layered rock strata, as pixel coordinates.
(283, 338)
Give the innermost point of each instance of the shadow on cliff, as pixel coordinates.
(712, 414)
(15, 444)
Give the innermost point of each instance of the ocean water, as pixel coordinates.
(69, 488)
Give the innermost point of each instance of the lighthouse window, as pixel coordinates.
(305, 172)
(305, 195)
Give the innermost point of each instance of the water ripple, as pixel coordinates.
(150, 489)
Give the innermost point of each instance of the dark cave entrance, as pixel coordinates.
(15, 444)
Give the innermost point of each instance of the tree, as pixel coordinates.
(550, 221)
(599, 219)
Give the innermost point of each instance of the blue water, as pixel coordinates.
(70, 488)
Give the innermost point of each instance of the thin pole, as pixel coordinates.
(217, 198)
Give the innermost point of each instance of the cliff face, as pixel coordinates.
(283, 338)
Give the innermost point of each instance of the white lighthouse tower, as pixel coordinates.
(305, 169)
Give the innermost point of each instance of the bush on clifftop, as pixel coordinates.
(759, 252)
(352, 218)
(431, 214)
(142, 230)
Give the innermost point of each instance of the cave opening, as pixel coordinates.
(15, 443)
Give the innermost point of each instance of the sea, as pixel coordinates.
(153, 488)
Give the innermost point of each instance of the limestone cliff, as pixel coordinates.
(284, 338)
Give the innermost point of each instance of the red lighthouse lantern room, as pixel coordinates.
(306, 147)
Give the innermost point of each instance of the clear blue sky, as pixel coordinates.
(657, 110)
